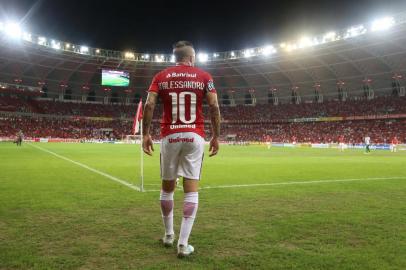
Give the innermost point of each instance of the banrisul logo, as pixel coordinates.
(180, 75)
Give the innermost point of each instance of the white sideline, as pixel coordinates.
(298, 183)
(123, 182)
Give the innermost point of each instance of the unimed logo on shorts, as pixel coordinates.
(186, 140)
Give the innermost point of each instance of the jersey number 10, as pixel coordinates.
(179, 102)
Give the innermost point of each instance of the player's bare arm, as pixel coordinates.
(147, 144)
(215, 122)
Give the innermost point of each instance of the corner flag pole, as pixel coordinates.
(142, 160)
(137, 127)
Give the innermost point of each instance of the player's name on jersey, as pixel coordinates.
(181, 74)
(182, 126)
(181, 84)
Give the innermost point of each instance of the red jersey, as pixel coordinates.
(182, 89)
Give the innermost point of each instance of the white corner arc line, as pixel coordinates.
(298, 183)
(113, 178)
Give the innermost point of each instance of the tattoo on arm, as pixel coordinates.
(215, 120)
(214, 116)
(148, 112)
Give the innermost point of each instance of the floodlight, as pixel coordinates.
(55, 45)
(1, 26)
(67, 46)
(97, 50)
(159, 58)
(268, 50)
(129, 55)
(232, 54)
(305, 42)
(355, 31)
(330, 36)
(291, 47)
(84, 49)
(146, 56)
(248, 53)
(382, 24)
(203, 57)
(13, 30)
(215, 55)
(173, 60)
(42, 41)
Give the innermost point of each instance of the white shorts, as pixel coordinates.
(182, 156)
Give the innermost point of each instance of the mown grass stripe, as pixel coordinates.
(111, 177)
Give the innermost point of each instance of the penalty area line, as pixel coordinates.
(299, 183)
(113, 178)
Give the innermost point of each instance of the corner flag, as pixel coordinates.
(137, 119)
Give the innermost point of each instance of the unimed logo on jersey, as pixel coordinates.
(182, 126)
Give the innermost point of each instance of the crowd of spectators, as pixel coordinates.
(380, 131)
(263, 112)
(259, 112)
(85, 109)
(43, 127)
(243, 123)
(14, 104)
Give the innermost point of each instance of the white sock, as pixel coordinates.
(167, 211)
(190, 205)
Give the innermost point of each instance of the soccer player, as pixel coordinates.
(367, 141)
(394, 144)
(19, 139)
(268, 139)
(341, 143)
(182, 90)
(294, 140)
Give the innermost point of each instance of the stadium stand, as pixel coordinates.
(321, 132)
(244, 123)
(260, 112)
(377, 106)
(347, 84)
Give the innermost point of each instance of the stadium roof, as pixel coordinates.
(371, 53)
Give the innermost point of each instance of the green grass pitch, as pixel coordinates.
(57, 215)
